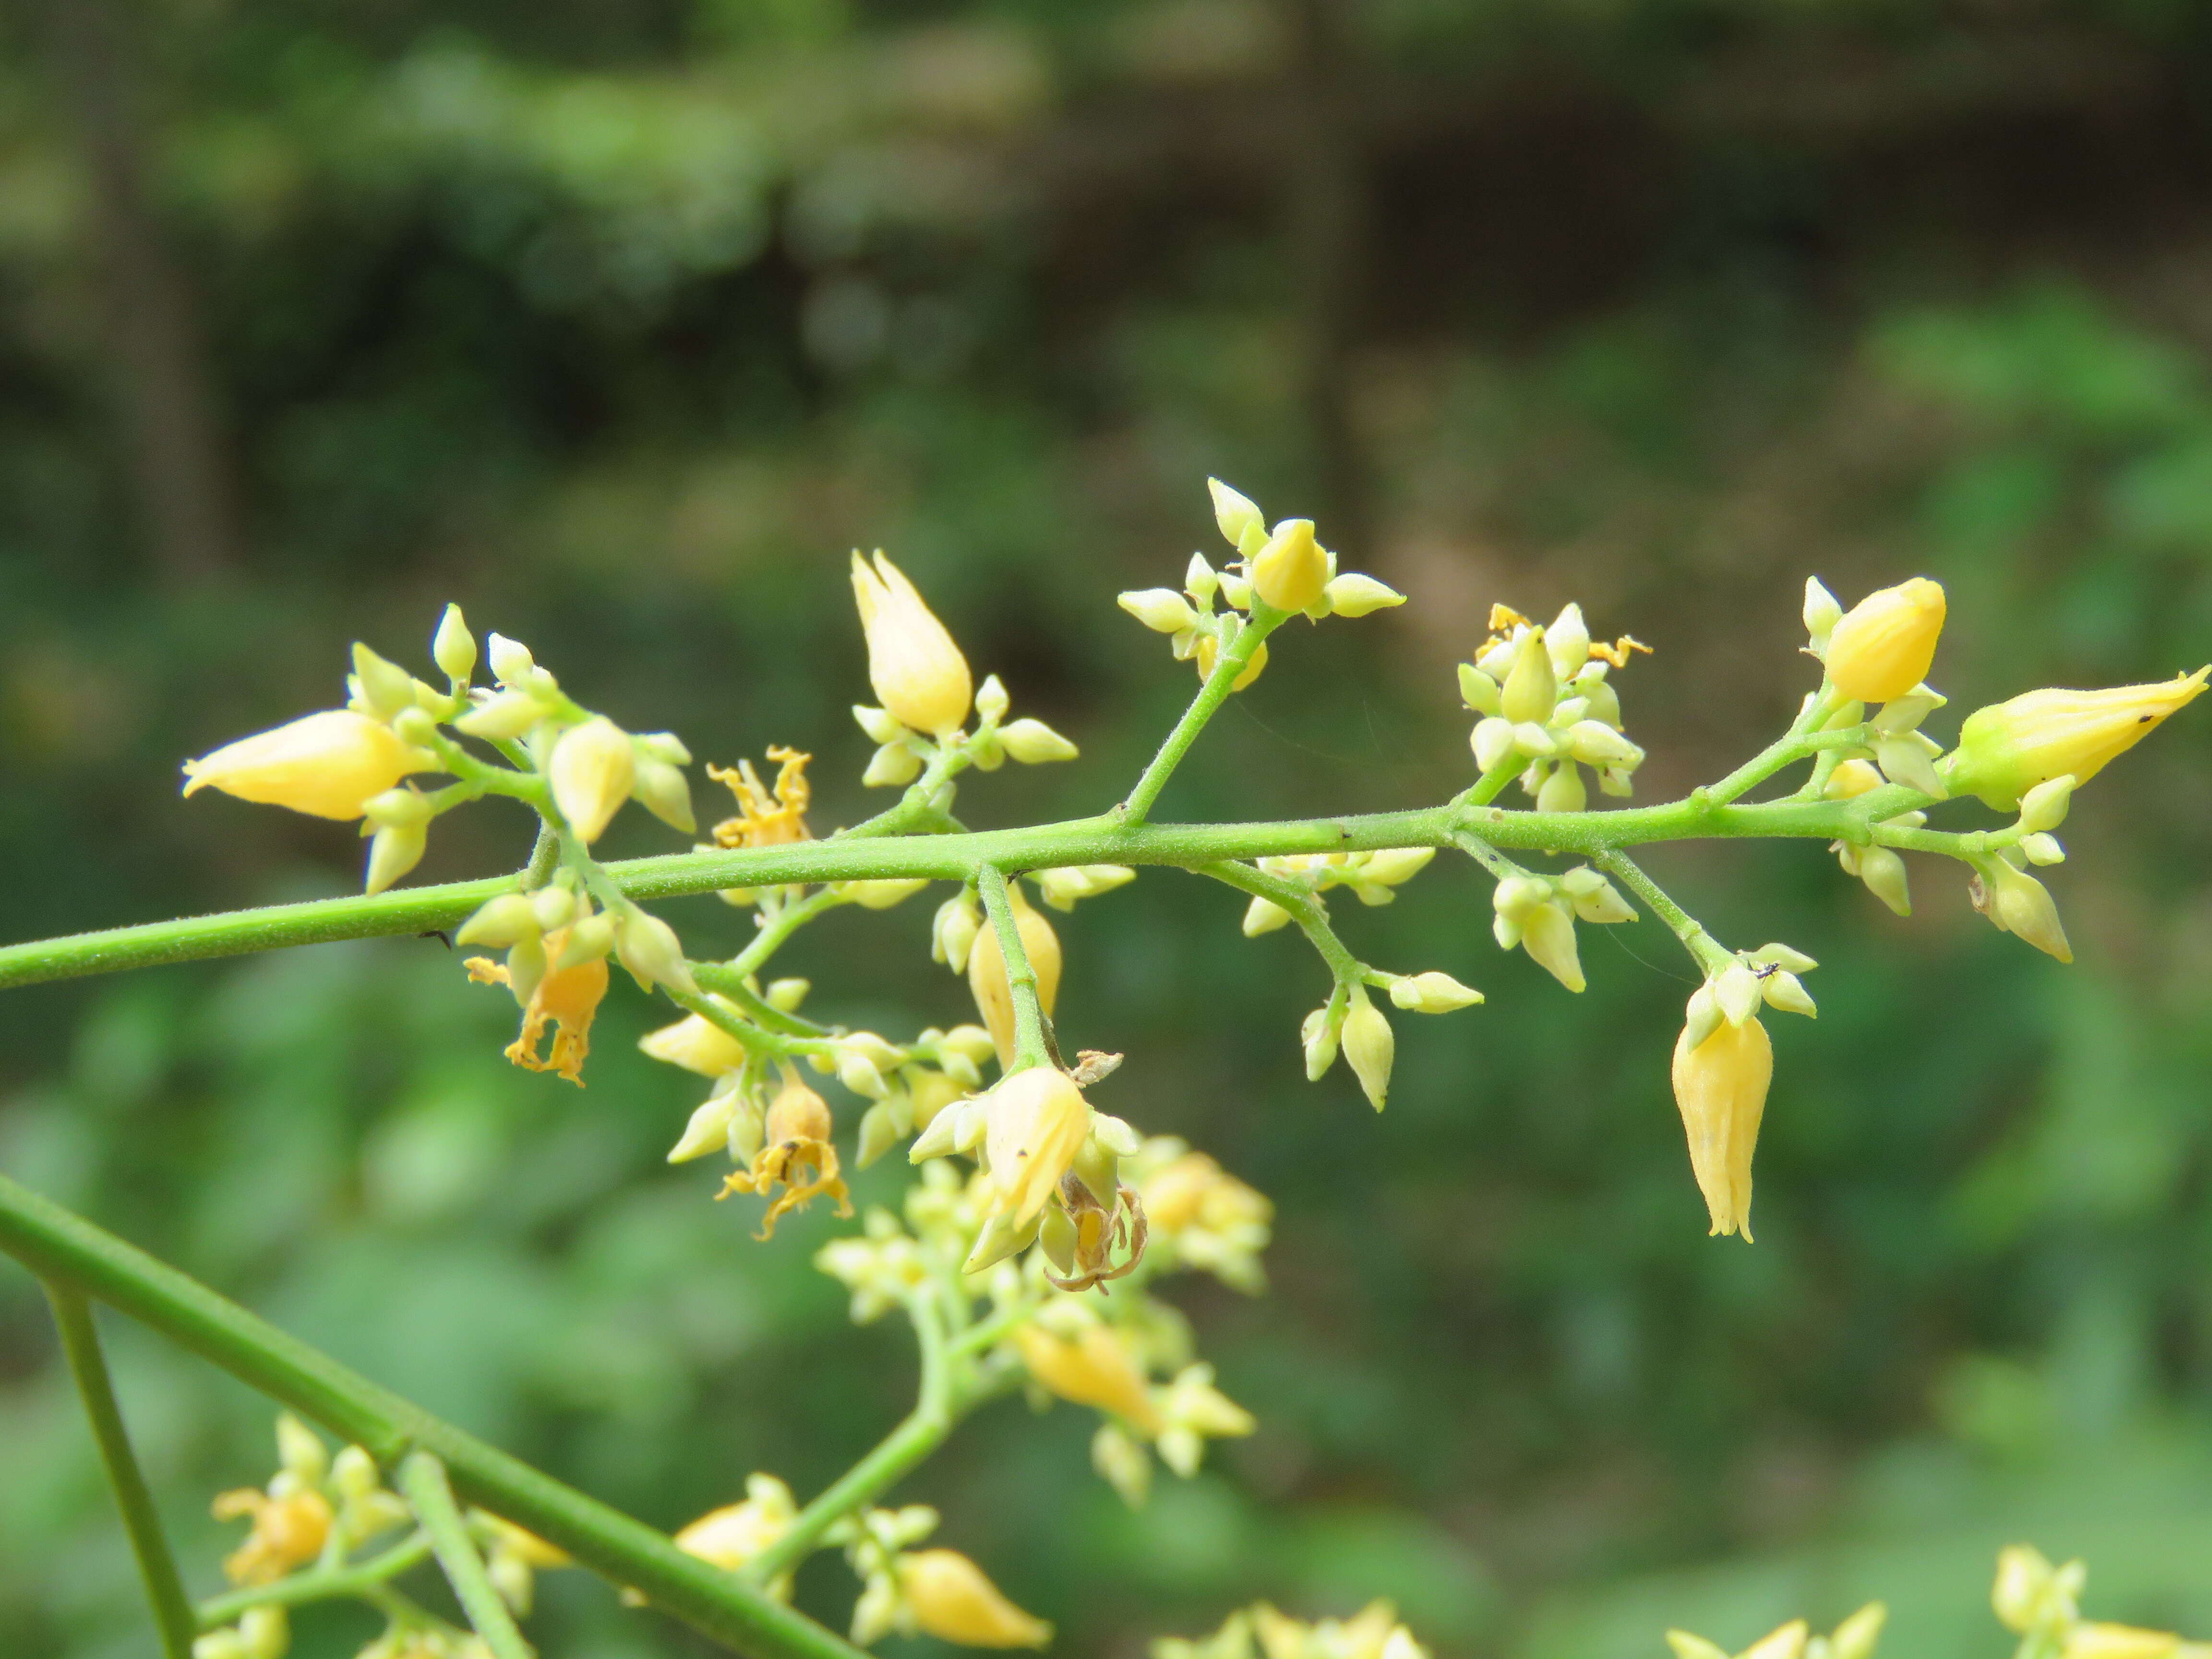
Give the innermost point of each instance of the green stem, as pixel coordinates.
(1032, 1038)
(1801, 740)
(58, 1245)
(1263, 621)
(545, 858)
(173, 1609)
(953, 858)
(423, 1483)
(1705, 950)
(922, 1432)
(325, 1584)
(1306, 909)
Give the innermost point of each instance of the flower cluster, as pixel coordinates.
(1548, 710)
(318, 1512)
(1284, 571)
(1261, 1631)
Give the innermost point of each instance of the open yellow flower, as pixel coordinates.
(795, 1154)
(288, 1532)
(766, 818)
(1036, 1122)
(329, 765)
(920, 676)
(565, 998)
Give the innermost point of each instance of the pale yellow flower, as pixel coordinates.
(952, 1599)
(920, 676)
(1885, 643)
(1036, 1122)
(329, 765)
(2007, 749)
(1721, 1087)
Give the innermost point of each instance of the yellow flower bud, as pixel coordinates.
(1209, 654)
(1035, 1123)
(392, 851)
(1531, 690)
(987, 972)
(1092, 1369)
(696, 1044)
(2006, 749)
(1033, 743)
(1236, 513)
(953, 1601)
(919, 674)
(1852, 779)
(1885, 643)
(1291, 571)
(732, 1535)
(452, 647)
(328, 765)
(1354, 595)
(2095, 1640)
(2018, 904)
(1721, 1087)
(707, 1129)
(1371, 1047)
(2023, 1577)
(1433, 993)
(591, 770)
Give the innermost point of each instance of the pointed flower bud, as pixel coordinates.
(1883, 873)
(591, 770)
(1317, 1037)
(1564, 791)
(1093, 1367)
(502, 717)
(452, 647)
(511, 661)
(500, 922)
(1478, 691)
(1822, 612)
(708, 1129)
(1033, 743)
(392, 851)
(1035, 1123)
(696, 1044)
(1355, 595)
(1568, 641)
(1160, 609)
(328, 765)
(1531, 690)
(1291, 572)
(1547, 934)
(1784, 990)
(918, 672)
(1263, 916)
(952, 1600)
(1720, 1086)
(2007, 749)
(1370, 1047)
(2043, 807)
(1433, 993)
(1493, 743)
(2018, 904)
(1885, 643)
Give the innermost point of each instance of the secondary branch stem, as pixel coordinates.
(172, 1610)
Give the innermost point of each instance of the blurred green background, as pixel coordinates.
(622, 322)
